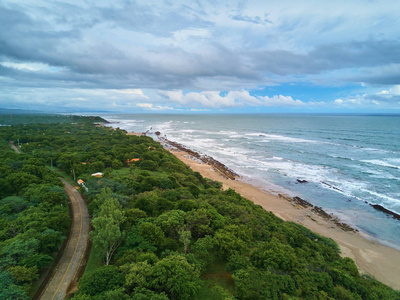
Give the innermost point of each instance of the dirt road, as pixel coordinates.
(66, 270)
(12, 145)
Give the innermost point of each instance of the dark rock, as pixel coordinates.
(301, 181)
(331, 186)
(386, 211)
(302, 202)
(345, 227)
(218, 166)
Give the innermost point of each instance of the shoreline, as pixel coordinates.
(371, 257)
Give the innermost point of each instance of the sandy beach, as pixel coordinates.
(372, 258)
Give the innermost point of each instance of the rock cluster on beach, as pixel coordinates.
(218, 166)
(386, 211)
(320, 212)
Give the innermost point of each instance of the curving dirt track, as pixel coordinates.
(73, 257)
(12, 145)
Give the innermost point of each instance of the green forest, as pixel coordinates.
(160, 230)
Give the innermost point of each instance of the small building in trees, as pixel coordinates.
(98, 174)
(128, 161)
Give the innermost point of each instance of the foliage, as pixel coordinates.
(106, 278)
(176, 277)
(107, 234)
(147, 217)
(185, 236)
(9, 289)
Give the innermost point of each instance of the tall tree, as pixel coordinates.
(176, 277)
(107, 234)
(185, 236)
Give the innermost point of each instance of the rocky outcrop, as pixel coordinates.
(217, 165)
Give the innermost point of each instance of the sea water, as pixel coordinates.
(346, 160)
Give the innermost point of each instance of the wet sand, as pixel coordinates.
(371, 257)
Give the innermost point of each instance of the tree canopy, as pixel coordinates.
(163, 231)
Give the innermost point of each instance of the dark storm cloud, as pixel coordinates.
(171, 45)
(381, 79)
(386, 75)
(358, 53)
(24, 38)
(323, 58)
(149, 19)
(101, 62)
(28, 39)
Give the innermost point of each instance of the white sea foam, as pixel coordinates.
(264, 141)
(341, 157)
(332, 179)
(383, 196)
(164, 127)
(292, 169)
(395, 161)
(188, 130)
(224, 132)
(381, 175)
(381, 163)
(374, 150)
(281, 138)
(347, 187)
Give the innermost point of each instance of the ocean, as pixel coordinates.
(347, 161)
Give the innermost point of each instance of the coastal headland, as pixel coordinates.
(371, 257)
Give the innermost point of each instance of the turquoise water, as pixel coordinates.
(345, 159)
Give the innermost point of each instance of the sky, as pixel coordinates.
(201, 56)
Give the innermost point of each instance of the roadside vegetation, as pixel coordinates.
(161, 231)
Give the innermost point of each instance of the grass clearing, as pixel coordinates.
(95, 261)
(67, 177)
(36, 284)
(218, 284)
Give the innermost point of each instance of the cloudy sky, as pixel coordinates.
(200, 56)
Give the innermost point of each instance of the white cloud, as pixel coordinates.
(395, 90)
(387, 98)
(285, 101)
(215, 99)
(151, 106)
(189, 33)
(30, 66)
(134, 92)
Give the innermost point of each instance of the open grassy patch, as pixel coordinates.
(95, 261)
(218, 284)
(67, 177)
